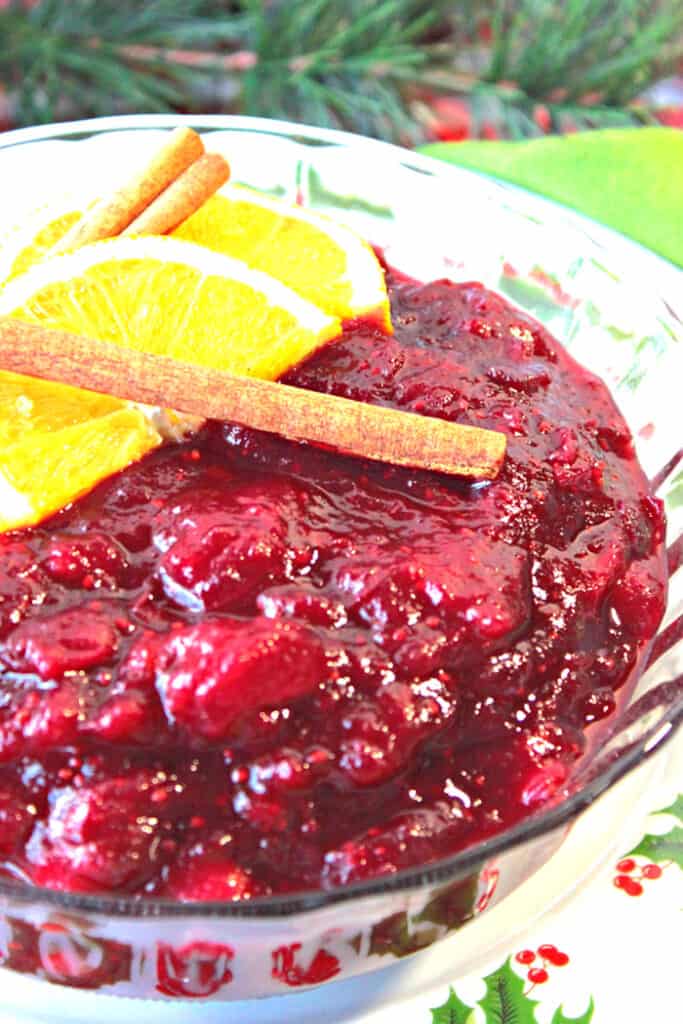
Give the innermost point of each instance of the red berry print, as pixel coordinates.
(553, 955)
(628, 885)
(631, 875)
(561, 959)
(550, 956)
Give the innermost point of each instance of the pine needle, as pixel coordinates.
(366, 65)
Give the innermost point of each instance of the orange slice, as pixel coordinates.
(29, 406)
(46, 470)
(173, 298)
(39, 244)
(57, 442)
(152, 294)
(323, 261)
(30, 239)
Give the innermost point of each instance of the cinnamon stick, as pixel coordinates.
(112, 214)
(354, 428)
(183, 197)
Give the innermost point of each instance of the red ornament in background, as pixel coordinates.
(543, 118)
(671, 117)
(449, 118)
(5, 123)
(453, 121)
(666, 97)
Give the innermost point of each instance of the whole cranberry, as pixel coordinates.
(639, 598)
(208, 874)
(72, 559)
(211, 674)
(74, 639)
(15, 818)
(223, 566)
(104, 836)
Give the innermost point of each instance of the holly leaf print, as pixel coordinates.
(676, 808)
(453, 1011)
(661, 848)
(585, 1018)
(505, 1001)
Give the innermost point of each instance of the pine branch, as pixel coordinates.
(584, 47)
(344, 62)
(364, 65)
(56, 52)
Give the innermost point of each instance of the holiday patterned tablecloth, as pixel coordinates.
(613, 955)
(609, 962)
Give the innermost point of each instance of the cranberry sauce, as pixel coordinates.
(246, 666)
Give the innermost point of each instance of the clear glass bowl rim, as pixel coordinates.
(456, 866)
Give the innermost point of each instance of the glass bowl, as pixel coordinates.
(614, 306)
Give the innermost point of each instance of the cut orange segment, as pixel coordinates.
(57, 442)
(47, 470)
(248, 284)
(173, 298)
(31, 239)
(29, 406)
(323, 261)
(152, 294)
(38, 246)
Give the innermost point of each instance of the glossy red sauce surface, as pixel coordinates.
(245, 666)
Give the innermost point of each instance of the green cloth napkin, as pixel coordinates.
(630, 179)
